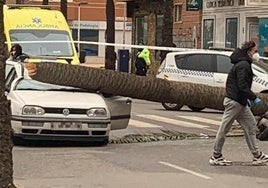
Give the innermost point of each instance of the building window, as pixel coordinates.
(241, 2)
(257, 2)
(88, 35)
(208, 33)
(231, 33)
(141, 31)
(178, 13)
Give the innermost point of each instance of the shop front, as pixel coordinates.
(228, 23)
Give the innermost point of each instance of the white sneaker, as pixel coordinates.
(220, 161)
(262, 159)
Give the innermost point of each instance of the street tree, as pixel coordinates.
(6, 144)
(45, 2)
(19, 1)
(110, 55)
(63, 8)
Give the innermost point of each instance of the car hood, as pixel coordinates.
(57, 99)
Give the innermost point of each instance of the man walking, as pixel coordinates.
(237, 105)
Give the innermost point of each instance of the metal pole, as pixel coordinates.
(124, 26)
(78, 28)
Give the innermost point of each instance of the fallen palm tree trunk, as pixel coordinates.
(139, 87)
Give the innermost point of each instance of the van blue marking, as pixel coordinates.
(188, 72)
(260, 81)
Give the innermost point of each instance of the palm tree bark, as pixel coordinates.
(6, 145)
(110, 55)
(139, 87)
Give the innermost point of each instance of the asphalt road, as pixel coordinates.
(150, 117)
(167, 164)
(162, 164)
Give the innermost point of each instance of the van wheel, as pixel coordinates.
(172, 106)
(196, 109)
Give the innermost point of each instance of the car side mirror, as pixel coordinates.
(82, 56)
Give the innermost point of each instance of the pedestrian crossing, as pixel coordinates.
(200, 119)
(172, 121)
(142, 124)
(156, 121)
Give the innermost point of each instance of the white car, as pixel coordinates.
(208, 67)
(42, 111)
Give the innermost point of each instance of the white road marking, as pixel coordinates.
(173, 121)
(185, 170)
(142, 124)
(200, 119)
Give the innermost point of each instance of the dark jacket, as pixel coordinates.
(239, 81)
(141, 67)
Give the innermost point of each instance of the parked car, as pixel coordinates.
(42, 111)
(208, 67)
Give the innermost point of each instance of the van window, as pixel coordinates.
(43, 49)
(201, 62)
(224, 64)
(180, 60)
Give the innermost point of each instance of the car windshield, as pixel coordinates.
(29, 84)
(260, 66)
(43, 48)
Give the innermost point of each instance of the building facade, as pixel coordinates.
(187, 23)
(87, 20)
(228, 23)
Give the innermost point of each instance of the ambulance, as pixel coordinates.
(42, 32)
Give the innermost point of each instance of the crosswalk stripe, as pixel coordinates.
(142, 124)
(200, 119)
(173, 121)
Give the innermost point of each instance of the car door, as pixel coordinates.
(120, 109)
(224, 65)
(10, 75)
(196, 68)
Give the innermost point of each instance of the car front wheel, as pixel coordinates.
(172, 106)
(196, 109)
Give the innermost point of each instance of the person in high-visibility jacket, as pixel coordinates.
(142, 62)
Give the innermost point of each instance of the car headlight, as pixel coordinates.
(97, 112)
(33, 110)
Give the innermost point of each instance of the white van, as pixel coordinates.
(208, 67)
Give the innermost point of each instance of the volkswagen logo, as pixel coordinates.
(66, 111)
